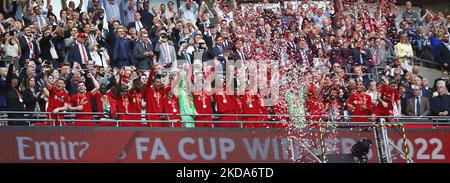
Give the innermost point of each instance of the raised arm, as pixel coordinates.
(64, 4)
(96, 84)
(80, 5)
(150, 77)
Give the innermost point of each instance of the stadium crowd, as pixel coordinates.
(119, 58)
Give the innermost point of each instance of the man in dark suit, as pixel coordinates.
(78, 52)
(138, 24)
(28, 46)
(440, 105)
(443, 53)
(216, 51)
(360, 56)
(211, 36)
(146, 16)
(305, 54)
(203, 25)
(418, 105)
(143, 51)
(238, 53)
(120, 47)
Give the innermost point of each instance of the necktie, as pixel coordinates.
(145, 46)
(417, 106)
(41, 22)
(138, 26)
(83, 50)
(168, 60)
(30, 46)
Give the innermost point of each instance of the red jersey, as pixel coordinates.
(105, 103)
(316, 107)
(57, 98)
(85, 100)
(154, 101)
(226, 104)
(202, 104)
(135, 105)
(251, 106)
(357, 100)
(172, 108)
(390, 96)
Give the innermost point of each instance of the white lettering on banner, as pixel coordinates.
(435, 154)
(59, 151)
(21, 148)
(423, 147)
(181, 148)
(226, 145)
(158, 148)
(257, 148)
(213, 150)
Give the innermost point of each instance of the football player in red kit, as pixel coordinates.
(153, 95)
(389, 100)
(202, 102)
(226, 105)
(360, 104)
(58, 100)
(135, 98)
(314, 104)
(105, 104)
(82, 102)
(252, 109)
(172, 108)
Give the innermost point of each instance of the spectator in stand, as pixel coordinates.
(444, 77)
(440, 104)
(79, 52)
(418, 105)
(188, 11)
(443, 53)
(143, 51)
(403, 50)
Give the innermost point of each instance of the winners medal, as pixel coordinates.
(224, 101)
(204, 106)
(251, 105)
(174, 110)
(20, 100)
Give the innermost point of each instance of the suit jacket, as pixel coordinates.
(35, 18)
(24, 46)
(203, 26)
(133, 24)
(75, 54)
(361, 58)
(143, 62)
(45, 45)
(163, 54)
(424, 106)
(443, 55)
(440, 103)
